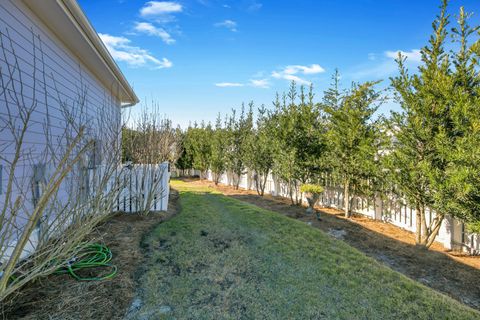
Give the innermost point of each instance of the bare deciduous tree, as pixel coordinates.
(151, 139)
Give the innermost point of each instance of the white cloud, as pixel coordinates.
(165, 63)
(260, 83)
(412, 56)
(156, 8)
(312, 69)
(290, 77)
(121, 50)
(257, 83)
(229, 24)
(291, 73)
(151, 30)
(228, 84)
(113, 41)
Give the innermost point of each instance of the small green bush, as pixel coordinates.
(311, 188)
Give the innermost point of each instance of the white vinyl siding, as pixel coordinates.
(66, 77)
(47, 66)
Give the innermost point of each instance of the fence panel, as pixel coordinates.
(389, 209)
(145, 188)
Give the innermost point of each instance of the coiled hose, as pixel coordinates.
(91, 256)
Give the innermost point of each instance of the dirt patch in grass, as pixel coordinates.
(62, 297)
(449, 272)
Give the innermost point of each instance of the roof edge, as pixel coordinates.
(76, 12)
(67, 20)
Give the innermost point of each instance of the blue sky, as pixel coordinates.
(196, 58)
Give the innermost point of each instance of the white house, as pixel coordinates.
(56, 77)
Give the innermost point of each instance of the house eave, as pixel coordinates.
(68, 22)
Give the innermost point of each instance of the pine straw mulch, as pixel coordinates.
(62, 297)
(450, 272)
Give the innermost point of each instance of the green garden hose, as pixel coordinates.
(91, 256)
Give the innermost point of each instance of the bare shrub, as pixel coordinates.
(60, 186)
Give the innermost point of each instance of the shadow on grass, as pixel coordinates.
(431, 268)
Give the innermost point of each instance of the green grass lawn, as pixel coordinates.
(221, 258)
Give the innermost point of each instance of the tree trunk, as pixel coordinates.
(425, 230)
(298, 201)
(265, 176)
(216, 177)
(418, 229)
(237, 182)
(434, 231)
(346, 198)
(260, 182)
(290, 190)
(426, 235)
(256, 180)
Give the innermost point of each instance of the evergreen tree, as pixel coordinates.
(299, 139)
(309, 138)
(218, 150)
(238, 132)
(332, 97)
(283, 131)
(198, 145)
(437, 135)
(185, 161)
(259, 153)
(353, 138)
(461, 186)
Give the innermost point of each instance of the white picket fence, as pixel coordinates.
(140, 188)
(144, 185)
(452, 234)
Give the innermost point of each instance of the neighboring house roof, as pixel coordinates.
(69, 23)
